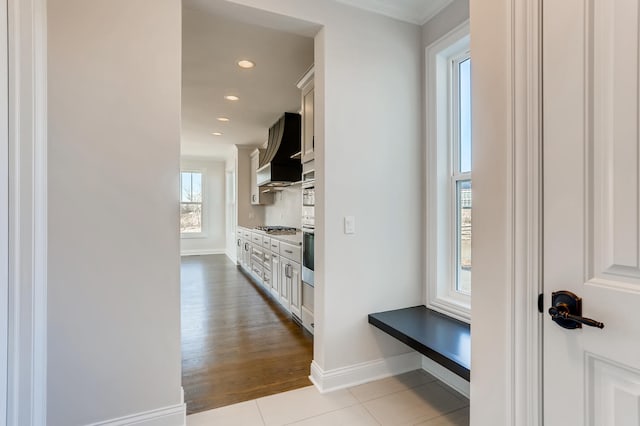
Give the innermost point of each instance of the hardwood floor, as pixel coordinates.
(237, 342)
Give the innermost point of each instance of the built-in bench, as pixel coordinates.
(445, 340)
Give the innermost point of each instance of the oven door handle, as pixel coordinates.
(308, 230)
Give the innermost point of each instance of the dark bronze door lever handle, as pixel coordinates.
(566, 311)
(564, 314)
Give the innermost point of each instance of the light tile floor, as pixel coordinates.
(414, 398)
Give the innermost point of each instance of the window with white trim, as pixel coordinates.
(191, 212)
(449, 199)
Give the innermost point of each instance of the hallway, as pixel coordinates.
(237, 344)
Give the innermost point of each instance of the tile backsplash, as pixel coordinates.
(286, 209)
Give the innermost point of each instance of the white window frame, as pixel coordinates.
(441, 156)
(203, 233)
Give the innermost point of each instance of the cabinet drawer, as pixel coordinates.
(274, 246)
(290, 251)
(256, 238)
(267, 260)
(257, 271)
(239, 232)
(246, 234)
(266, 243)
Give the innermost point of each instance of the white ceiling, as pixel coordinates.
(216, 34)
(414, 11)
(213, 42)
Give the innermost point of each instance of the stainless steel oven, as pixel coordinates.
(308, 244)
(308, 231)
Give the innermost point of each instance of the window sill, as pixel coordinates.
(193, 236)
(452, 308)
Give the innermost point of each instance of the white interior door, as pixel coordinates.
(591, 209)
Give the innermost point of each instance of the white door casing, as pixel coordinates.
(4, 211)
(591, 209)
(27, 95)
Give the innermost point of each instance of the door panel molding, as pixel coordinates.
(612, 34)
(611, 388)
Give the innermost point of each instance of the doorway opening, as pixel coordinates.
(240, 340)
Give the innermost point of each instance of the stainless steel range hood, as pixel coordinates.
(276, 167)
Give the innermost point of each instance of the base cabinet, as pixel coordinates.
(296, 291)
(275, 275)
(285, 283)
(269, 262)
(246, 255)
(239, 249)
(290, 286)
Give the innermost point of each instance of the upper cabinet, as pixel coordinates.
(257, 196)
(306, 85)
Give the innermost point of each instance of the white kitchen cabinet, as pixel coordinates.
(257, 196)
(275, 275)
(296, 290)
(257, 262)
(246, 253)
(266, 276)
(306, 85)
(290, 277)
(239, 247)
(285, 283)
(274, 265)
(290, 285)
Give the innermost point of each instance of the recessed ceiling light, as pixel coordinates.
(225, 119)
(246, 64)
(231, 98)
(216, 134)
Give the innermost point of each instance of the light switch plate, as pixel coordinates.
(349, 225)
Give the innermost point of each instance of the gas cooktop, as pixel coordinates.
(277, 230)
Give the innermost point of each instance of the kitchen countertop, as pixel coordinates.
(291, 238)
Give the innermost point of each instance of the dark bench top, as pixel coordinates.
(445, 340)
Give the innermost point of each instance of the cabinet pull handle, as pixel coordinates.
(288, 251)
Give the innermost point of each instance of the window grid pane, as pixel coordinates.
(190, 202)
(464, 116)
(463, 234)
(190, 218)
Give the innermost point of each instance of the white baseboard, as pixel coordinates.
(340, 378)
(201, 252)
(175, 415)
(446, 376)
(231, 255)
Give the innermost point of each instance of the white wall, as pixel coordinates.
(450, 17)
(368, 87)
(286, 209)
(214, 203)
(248, 214)
(113, 272)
